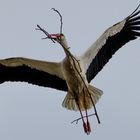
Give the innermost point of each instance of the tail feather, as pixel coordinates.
(85, 100)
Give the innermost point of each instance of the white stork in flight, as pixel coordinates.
(74, 74)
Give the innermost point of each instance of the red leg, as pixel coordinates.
(88, 124)
(84, 124)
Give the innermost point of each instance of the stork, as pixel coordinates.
(74, 74)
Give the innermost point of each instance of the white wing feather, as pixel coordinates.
(49, 67)
(90, 54)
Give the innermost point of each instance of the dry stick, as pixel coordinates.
(73, 58)
(81, 118)
(61, 20)
(45, 32)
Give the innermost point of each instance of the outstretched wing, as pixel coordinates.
(111, 40)
(47, 74)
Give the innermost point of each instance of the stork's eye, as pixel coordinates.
(61, 34)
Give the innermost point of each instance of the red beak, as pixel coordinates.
(54, 35)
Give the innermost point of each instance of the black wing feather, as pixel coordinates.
(129, 32)
(31, 75)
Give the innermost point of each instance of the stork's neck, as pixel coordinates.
(64, 43)
(65, 46)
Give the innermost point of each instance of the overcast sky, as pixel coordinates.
(29, 112)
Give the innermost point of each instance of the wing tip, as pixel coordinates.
(134, 13)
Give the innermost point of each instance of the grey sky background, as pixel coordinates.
(29, 112)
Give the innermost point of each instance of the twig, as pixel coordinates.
(61, 19)
(81, 118)
(46, 33)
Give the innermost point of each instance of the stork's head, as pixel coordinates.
(60, 38)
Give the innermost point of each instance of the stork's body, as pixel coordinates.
(74, 74)
(70, 73)
(80, 94)
(78, 86)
